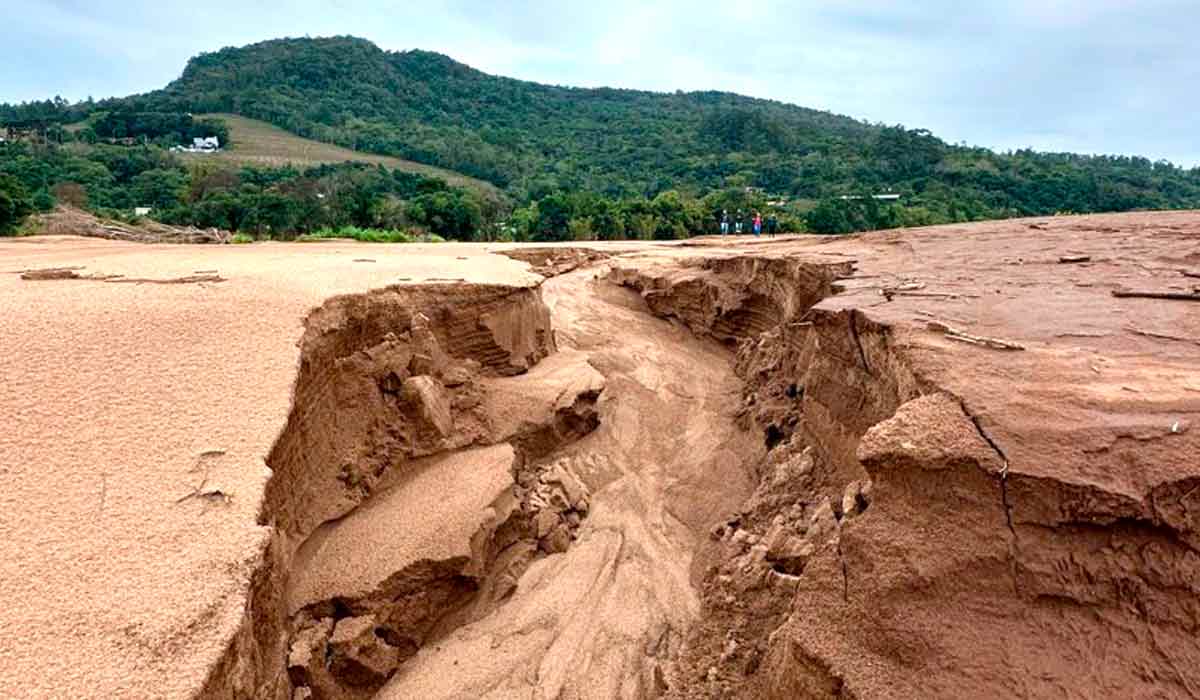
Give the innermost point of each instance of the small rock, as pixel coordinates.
(427, 400)
(302, 693)
(558, 541)
(758, 553)
(731, 646)
(822, 524)
(306, 656)
(777, 538)
(557, 499)
(574, 489)
(428, 356)
(546, 520)
(855, 499)
(717, 533)
(574, 519)
(358, 656)
(467, 400)
(455, 376)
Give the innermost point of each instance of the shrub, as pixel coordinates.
(15, 204)
(372, 235)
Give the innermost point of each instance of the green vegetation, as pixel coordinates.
(280, 202)
(669, 215)
(163, 128)
(575, 163)
(372, 235)
(15, 204)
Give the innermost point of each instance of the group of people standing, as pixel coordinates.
(743, 222)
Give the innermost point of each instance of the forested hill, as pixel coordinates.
(426, 107)
(623, 162)
(536, 139)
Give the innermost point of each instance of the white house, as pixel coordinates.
(141, 211)
(210, 143)
(890, 197)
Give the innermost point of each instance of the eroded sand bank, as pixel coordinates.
(746, 469)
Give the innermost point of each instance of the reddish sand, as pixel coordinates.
(112, 394)
(936, 515)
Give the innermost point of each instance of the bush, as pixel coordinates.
(372, 235)
(15, 204)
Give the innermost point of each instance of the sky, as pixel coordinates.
(1089, 76)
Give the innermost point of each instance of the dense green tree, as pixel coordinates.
(15, 204)
(552, 222)
(159, 189)
(271, 212)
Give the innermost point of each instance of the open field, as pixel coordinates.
(723, 467)
(259, 143)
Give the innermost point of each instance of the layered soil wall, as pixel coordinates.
(891, 549)
(394, 387)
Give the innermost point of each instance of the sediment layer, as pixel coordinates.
(395, 389)
(894, 547)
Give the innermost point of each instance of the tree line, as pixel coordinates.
(285, 202)
(280, 202)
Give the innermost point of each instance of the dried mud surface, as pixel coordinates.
(934, 463)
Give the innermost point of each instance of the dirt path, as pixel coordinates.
(666, 461)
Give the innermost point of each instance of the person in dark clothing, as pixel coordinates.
(724, 222)
(772, 225)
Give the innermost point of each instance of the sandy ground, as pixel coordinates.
(122, 404)
(112, 395)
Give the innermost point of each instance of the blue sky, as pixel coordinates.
(1096, 76)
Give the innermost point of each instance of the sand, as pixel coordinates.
(112, 395)
(767, 508)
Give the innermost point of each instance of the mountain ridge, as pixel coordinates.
(538, 141)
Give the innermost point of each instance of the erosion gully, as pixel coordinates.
(537, 529)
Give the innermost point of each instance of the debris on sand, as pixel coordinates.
(70, 221)
(1161, 336)
(70, 273)
(52, 273)
(1141, 294)
(962, 336)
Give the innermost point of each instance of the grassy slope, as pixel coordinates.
(259, 143)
